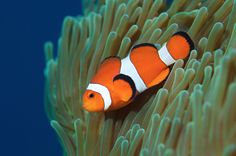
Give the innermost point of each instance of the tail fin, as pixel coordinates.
(180, 45)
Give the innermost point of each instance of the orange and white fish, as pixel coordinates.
(118, 81)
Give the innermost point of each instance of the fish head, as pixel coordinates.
(93, 101)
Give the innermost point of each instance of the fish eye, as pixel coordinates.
(91, 95)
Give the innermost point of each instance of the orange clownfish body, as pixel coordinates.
(118, 81)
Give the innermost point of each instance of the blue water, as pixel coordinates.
(24, 27)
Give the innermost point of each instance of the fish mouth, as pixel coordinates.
(86, 107)
(90, 108)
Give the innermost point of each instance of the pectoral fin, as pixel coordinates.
(124, 86)
(160, 78)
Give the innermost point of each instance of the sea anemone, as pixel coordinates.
(192, 113)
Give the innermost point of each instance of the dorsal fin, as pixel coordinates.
(142, 45)
(108, 62)
(109, 58)
(104, 71)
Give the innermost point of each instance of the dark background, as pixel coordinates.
(24, 27)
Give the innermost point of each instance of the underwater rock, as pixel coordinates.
(192, 113)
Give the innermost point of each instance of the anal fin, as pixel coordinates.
(160, 78)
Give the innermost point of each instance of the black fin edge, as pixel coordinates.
(129, 80)
(187, 37)
(143, 44)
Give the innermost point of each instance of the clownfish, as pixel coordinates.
(118, 81)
